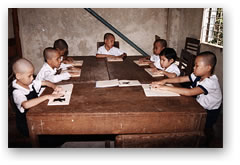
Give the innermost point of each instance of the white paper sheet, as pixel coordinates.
(153, 92)
(67, 95)
(140, 63)
(128, 83)
(153, 74)
(107, 83)
(114, 59)
(77, 63)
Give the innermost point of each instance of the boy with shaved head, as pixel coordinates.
(205, 86)
(26, 91)
(49, 69)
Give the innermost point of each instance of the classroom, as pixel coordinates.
(113, 102)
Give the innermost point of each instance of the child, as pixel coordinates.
(108, 50)
(62, 47)
(154, 60)
(49, 68)
(167, 66)
(25, 91)
(204, 85)
(66, 62)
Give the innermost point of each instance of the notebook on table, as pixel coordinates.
(153, 74)
(154, 92)
(66, 95)
(114, 59)
(141, 63)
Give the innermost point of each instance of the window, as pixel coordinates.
(212, 27)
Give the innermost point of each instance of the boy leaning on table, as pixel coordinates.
(205, 87)
(26, 92)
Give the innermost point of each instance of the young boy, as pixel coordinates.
(66, 62)
(154, 60)
(166, 64)
(49, 68)
(62, 47)
(108, 50)
(25, 91)
(204, 85)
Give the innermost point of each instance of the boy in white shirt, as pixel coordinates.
(108, 50)
(25, 92)
(154, 60)
(166, 63)
(66, 62)
(205, 86)
(49, 68)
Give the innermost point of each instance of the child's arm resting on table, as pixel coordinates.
(103, 55)
(49, 84)
(168, 74)
(172, 80)
(182, 91)
(33, 102)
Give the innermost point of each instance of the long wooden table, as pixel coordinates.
(137, 120)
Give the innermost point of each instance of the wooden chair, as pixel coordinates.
(192, 45)
(186, 62)
(116, 44)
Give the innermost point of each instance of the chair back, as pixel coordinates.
(186, 62)
(192, 45)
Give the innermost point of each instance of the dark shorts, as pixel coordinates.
(212, 116)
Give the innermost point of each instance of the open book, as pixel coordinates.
(65, 98)
(153, 74)
(116, 82)
(107, 83)
(77, 63)
(154, 92)
(128, 83)
(141, 63)
(114, 59)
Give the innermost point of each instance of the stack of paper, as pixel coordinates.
(154, 92)
(65, 99)
(141, 63)
(116, 82)
(77, 63)
(114, 59)
(153, 74)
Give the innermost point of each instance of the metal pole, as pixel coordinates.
(116, 31)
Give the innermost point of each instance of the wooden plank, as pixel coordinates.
(182, 139)
(92, 70)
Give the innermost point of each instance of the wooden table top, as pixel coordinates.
(99, 69)
(88, 99)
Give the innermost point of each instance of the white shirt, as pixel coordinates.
(173, 68)
(19, 93)
(154, 58)
(212, 96)
(113, 51)
(64, 66)
(47, 73)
